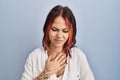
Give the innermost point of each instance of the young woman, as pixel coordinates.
(58, 59)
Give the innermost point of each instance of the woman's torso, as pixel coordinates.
(72, 69)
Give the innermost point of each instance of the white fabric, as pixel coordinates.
(76, 69)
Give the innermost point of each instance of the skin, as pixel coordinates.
(58, 36)
(58, 33)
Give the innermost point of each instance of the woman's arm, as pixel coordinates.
(85, 71)
(52, 66)
(28, 72)
(44, 75)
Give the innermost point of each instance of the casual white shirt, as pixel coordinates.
(77, 67)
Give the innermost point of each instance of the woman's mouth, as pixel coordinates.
(58, 41)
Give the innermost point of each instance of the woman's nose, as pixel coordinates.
(59, 34)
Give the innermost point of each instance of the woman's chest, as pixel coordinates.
(72, 70)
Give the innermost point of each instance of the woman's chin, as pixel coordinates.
(58, 45)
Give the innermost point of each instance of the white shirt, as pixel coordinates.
(76, 69)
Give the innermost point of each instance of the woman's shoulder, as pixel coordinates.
(77, 51)
(37, 51)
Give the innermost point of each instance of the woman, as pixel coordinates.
(58, 59)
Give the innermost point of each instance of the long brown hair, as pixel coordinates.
(69, 18)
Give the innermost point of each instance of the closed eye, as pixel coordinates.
(65, 31)
(54, 29)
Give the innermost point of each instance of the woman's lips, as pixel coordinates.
(58, 41)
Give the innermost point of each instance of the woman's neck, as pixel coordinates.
(55, 50)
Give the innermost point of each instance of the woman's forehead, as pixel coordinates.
(59, 22)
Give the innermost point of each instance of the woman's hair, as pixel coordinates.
(70, 21)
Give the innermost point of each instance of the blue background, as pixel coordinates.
(98, 35)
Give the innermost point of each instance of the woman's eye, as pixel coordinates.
(54, 29)
(66, 31)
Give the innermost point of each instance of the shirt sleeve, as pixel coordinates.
(85, 71)
(27, 74)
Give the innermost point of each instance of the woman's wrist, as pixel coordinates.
(44, 75)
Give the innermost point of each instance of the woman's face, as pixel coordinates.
(58, 33)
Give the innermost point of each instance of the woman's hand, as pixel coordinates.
(56, 64)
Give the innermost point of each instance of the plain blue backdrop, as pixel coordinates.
(98, 35)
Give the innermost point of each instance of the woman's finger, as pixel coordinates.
(62, 58)
(49, 58)
(59, 56)
(63, 65)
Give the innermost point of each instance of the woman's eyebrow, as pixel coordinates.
(58, 29)
(65, 29)
(53, 27)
